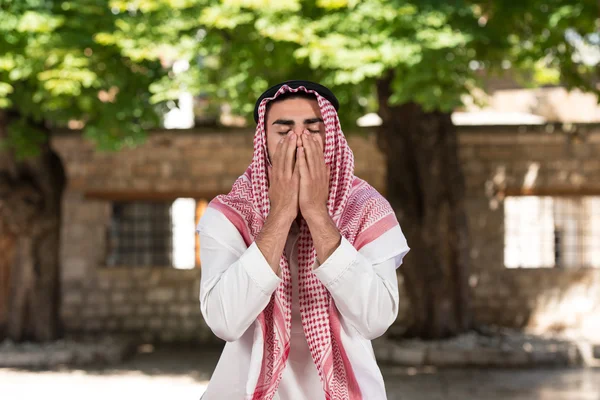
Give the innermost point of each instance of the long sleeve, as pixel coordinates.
(237, 282)
(364, 287)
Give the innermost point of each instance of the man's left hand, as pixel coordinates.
(314, 178)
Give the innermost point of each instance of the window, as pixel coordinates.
(155, 233)
(543, 231)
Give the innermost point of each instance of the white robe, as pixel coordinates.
(237, 284)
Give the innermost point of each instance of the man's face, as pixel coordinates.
(293, 116)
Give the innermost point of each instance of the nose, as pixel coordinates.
(298, 132)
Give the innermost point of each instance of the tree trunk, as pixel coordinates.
(30, 213)
(425, 186)
(7, 247)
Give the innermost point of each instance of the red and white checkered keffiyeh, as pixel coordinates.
(360, 213)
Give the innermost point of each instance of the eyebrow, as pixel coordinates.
(308, 121)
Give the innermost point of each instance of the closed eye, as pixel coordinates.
(310, 130)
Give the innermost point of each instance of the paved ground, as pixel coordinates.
(183, 374)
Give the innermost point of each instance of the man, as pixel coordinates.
(299, 261)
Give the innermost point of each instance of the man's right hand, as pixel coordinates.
(284, 179)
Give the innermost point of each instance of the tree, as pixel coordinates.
(105, 67)
(413, 62)
(55, 71)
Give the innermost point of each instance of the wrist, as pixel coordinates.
(282, 217)
(318, 215)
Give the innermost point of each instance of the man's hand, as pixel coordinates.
(314, 177)
(284, 179)
(314, 191)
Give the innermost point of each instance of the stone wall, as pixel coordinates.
(162, 303)
(541, 299)
(155, 304)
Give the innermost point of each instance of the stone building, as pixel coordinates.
(130, 260)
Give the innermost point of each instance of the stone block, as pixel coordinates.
(494, 357)
(147, 336)
(161, 295)
(104, 284)
(117, 297)
(22, 360)
(196, 289)
(72, 298)
(133, 323)
(207, 169)
(73, 323)
(447, 357)
(68, 312)
(197, 152)
(547, 358)
(96, 298)
(140, 273)
(145, 310)
(172, 323)
(93, 325)
(155, 323)
(141, 183)
(184, 294)
(186, 310)
(190, 324)
(75, 267)
(168, 336)
(404, 355)
(123, 283)
(382, 350)
(99, 311)
(60, 357)
(205, 335)
(112, 324)
(123, 310)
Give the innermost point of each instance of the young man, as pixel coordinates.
(299, 261)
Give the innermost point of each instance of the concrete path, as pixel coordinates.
(183, 374)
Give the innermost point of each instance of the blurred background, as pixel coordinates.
(478, 120)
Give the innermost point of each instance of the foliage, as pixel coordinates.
(56, 57)
(54, 69)
(438, 51)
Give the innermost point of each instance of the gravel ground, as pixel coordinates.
(182, 374)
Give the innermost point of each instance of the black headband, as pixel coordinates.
(322, 90)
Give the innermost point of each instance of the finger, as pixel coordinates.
(302, 167)
(278, 150)
(312, 158)
(307, 144)
(296, 174)
(319, 149)
(289, 154)
(319, 144)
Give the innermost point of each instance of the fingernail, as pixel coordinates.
(293, 136)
